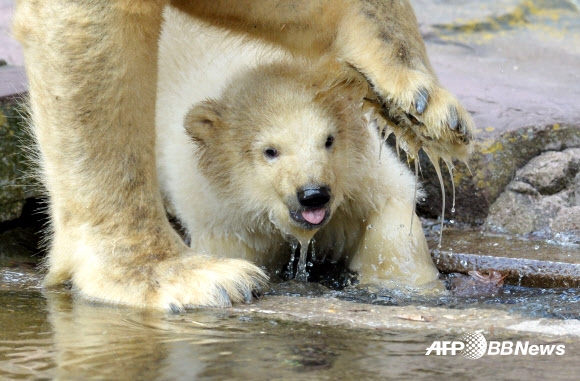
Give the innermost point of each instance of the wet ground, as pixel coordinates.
(49, 335)
(297, 331)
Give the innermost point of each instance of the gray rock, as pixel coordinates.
(548, 173)
(513, 213)
(523, 188)
(566, 225)
(542, 199)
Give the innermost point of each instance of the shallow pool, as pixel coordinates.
(49, 335)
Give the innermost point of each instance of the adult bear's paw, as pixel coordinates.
(381, 41)
(199, 281)
(153, 276)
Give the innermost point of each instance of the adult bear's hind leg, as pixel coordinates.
(92, 70)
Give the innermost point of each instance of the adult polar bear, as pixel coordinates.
(92, 70)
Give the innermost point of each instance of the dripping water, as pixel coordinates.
(290, 269)
(415, 194)
(301, 273)
(313, 254)
(450, 168)
(435, 161)
(385, 133)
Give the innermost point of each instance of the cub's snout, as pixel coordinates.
(314, 196)
(314, 206)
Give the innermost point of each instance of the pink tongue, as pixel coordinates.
(314, 216)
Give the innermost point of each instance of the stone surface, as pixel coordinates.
(337, 312)
(524, 262)
(541, 200)
(548, 173)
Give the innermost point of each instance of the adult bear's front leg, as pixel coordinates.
(92, 69)
(378, 38)
(381, 40)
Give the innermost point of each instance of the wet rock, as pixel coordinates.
(475, 283)
(542, 199)
(16, 184)
(522, 99)
(566, 225)
(547, 173)
(523, 261)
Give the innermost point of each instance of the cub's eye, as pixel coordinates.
(329, 141)
(271, 153)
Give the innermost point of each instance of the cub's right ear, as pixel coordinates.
(202, 121)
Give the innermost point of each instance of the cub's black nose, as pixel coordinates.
(313, 197)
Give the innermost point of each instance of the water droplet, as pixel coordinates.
(369, 227)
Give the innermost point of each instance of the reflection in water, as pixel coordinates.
(51, 336)
(77, 340)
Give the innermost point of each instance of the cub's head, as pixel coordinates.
(283, 143)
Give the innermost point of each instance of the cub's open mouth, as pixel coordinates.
(311, 218)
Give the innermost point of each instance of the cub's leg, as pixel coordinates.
(92, 71)
(391, 250)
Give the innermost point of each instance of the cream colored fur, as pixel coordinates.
(92, 69)
(268, 99)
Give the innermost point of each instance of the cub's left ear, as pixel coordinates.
(203, 120)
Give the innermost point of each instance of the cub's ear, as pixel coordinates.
(203, 120)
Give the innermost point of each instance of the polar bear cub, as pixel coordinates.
(285, 154)
(278, 153)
